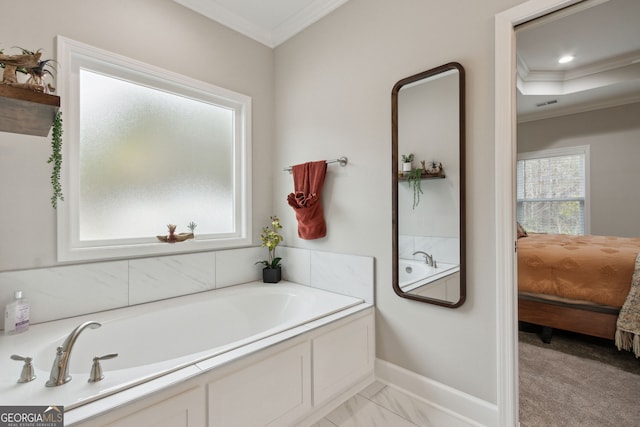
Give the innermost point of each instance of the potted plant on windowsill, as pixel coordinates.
(272, 272)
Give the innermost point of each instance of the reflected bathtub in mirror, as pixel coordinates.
(414, 274)
(428, 195)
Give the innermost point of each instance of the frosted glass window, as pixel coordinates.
(169, 161)
(144, 148)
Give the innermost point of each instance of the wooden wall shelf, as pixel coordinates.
(423, 177)
(27, 112)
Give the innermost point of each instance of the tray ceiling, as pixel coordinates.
(604, 37)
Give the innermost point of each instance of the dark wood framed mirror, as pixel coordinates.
(428, 188)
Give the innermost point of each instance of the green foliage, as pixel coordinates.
(407, 158)
(192, 226)
(414, 179)
(56, 159)
(39, 70)
(270, 240)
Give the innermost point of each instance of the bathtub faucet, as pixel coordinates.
(428, 259)
(60, 369)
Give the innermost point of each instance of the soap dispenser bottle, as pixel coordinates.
(16, 315)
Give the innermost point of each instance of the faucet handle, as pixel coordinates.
(96, 370)
(27, 373)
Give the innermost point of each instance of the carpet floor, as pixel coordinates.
(577, 381)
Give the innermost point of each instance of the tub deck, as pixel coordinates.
(165, 342)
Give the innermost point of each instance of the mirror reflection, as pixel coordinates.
(428, 190)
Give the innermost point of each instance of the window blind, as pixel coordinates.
(551, 192)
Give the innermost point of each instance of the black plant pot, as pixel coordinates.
(271, 275)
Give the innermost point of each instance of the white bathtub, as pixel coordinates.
(157, 339)
(414, 274)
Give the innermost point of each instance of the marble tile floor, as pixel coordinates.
(380, 405)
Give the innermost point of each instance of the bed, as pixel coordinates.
(574, 283)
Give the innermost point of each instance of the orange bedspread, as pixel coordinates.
(590, 268)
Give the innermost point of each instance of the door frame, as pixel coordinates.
(505, 155)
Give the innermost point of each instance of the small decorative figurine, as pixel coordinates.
(434, 168)
(173, 237)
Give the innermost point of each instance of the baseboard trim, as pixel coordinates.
(455, 402)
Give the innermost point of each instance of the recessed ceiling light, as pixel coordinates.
(565, 59)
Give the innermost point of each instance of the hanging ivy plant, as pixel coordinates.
(414, 179)
(56, 159)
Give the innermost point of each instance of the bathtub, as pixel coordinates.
(414, 274)
(162, 339)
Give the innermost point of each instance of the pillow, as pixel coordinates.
(521, 231)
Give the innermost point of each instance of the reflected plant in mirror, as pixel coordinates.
(429, 213)
(407, 164)
(414, 179)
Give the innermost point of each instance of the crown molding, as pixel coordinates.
(216, 12)
(576, 109)
(563, 82)
(271, 37)
(304, 18)
(528, 75)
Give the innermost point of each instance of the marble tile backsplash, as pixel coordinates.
(341, 273)
(236, 266)
(59, 292)
(171, 276)
(67, 291)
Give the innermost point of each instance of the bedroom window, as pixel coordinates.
(552, 190)
(145, 148)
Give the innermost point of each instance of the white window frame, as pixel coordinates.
(72, 56)
(568, 151)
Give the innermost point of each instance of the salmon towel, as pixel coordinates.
(308, 179)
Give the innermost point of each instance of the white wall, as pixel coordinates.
(613, 135)
(158, 32)
(333, 98)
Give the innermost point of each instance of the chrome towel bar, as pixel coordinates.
(342, 160)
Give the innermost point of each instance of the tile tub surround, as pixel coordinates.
(341, 273)
(74, 290)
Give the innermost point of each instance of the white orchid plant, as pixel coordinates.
(270, 240)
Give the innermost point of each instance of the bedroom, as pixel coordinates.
(612, 136)
(601, 124)
(584, 109)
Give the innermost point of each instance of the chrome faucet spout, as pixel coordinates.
(428, 259)
(60, 369)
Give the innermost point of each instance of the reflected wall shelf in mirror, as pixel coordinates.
(429, 261)
(423, 177)
(27, 112)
